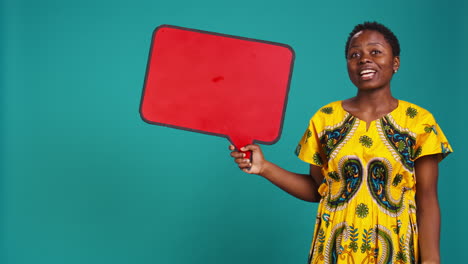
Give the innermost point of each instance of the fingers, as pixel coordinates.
(239, 158)
(237, 154)
(244, 164)
(251, 147)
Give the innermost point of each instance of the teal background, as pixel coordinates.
(85, 180)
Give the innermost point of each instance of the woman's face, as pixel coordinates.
(371, 63)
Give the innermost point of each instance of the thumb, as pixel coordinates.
(251, 147)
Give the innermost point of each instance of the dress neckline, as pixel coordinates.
(370, 122)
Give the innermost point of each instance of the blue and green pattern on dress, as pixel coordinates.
(401, 256)
(366, 240)
(362, 210)
(445, 149)
(430, 128)
(378, 181)
(366, 141)
(402, 142)
(350, 178)
(411, 253)
(327, 110)
(353, 236)
(333, 248)
(330, 139)
(411, 112)
(386, 246)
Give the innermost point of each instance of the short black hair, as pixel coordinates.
(386, 32)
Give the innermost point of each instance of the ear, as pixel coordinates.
(396, 63)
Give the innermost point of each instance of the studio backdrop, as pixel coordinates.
(84, 179)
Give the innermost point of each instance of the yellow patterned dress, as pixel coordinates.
(367, 213)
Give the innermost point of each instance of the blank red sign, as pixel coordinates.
(217, 84)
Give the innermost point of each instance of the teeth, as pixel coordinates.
(366, 71)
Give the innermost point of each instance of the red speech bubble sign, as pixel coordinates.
(217, 84)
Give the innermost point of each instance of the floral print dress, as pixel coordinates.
(367, 213)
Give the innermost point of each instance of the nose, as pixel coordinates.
(364, 59)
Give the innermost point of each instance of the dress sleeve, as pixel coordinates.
(431, 140)
(309, 148)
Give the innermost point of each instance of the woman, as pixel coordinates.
(373, 158)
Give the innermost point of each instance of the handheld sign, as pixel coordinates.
(217, 84)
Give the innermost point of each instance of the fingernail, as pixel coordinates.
(243, 155)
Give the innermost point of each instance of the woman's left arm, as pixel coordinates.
(428, 211)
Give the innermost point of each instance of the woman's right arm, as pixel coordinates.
(302, 186)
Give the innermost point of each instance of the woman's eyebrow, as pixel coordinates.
(374, 43)
(368, 44)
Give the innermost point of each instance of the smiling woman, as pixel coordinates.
(371, 62)
(373, 165)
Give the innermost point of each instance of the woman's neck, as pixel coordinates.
(371, 105)
(374, 100)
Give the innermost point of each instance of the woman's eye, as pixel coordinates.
(354, 55)
(374, 52)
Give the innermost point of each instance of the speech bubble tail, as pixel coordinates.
(240, 143)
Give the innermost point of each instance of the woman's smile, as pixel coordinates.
(367, 74)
